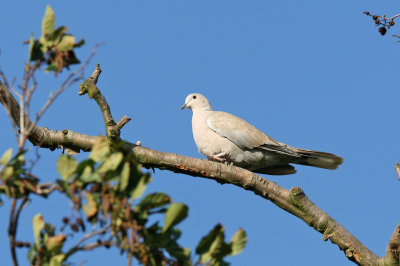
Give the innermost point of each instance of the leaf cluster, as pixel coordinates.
(15, 181)
(106, 193)
(55, 47)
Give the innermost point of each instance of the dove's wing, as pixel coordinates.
(244, 135)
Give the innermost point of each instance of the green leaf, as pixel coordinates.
(112, 162)
(87, 176)
(218, 262)
(238, 242)
(58, 33)
(49, 229)
(55, 243)
(83, 164)
(141, 186)
(7, 173)
(100, 149)
(66, 44)
(80, 43)
(48, 22)
(125, 173)
(6, 157)
(65, 187)
(43, 44)
(217, 250)
(66, 166)
(31, 255)
(38, 225)
(57, 260)
(153, 200)
(206, 241)
(37, 53)
(31, 45)
(51, 67)
(176, 212)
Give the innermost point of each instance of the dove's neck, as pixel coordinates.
(202, 108)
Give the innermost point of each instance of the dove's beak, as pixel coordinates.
(183, 106)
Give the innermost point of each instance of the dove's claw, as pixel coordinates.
(219, 157)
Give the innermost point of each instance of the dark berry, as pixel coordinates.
(382, 30)
(74, 227)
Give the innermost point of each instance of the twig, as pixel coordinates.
(397, 168)
(96, 245)
(392, 18)
(11, 226)
(129, 258)
(34, 161)
(122, 122)
(91, 234)
(4, 78)
(24, 99)
(78, 246)
(13, 223)
(46, 189)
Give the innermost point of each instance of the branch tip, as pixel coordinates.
(122, 122)
(397, 168)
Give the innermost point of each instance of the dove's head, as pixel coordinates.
(196, 101)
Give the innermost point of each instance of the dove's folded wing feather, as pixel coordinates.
(243, 134)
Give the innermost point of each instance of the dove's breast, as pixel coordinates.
(211, 143)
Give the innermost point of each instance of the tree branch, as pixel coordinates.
(393, 248)
(293, 201)
(113, 130)
(11, 226)
(13, 223)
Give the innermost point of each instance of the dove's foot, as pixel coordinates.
(219, 157)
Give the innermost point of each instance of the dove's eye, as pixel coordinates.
(194, 96)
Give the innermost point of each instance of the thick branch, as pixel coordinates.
(293, 201)
(393, 249)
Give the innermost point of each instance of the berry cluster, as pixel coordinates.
(382, 21)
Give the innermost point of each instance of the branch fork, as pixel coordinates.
(113, 130)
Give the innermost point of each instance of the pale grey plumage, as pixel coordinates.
(223, 137)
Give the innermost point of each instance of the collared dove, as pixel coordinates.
(226, 138)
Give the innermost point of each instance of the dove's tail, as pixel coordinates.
(319, 159)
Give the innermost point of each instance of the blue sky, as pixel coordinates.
(312, 74)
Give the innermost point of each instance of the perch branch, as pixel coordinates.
(293, 201)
